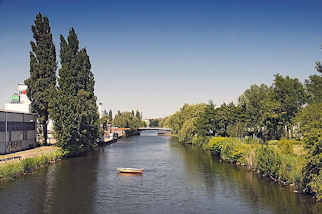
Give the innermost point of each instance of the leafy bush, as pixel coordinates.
(229, 149)
(215, 145)
(268, 161)
(290, 169)
(199, 140)
(286, 145)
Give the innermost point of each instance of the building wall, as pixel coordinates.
(17, 131)
(17, 107)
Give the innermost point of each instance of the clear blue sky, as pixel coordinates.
(157, 55)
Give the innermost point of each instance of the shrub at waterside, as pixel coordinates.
(269, 160)
(10, 171)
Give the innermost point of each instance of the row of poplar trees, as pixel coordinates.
(68, 99)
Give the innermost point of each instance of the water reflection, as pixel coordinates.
(176, 179)
(232, 181)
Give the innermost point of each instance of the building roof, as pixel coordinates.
(18, 112)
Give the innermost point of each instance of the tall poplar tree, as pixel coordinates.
(75, 113)
(43, 67)
(110, 116)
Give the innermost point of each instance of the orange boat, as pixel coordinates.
(130, 170)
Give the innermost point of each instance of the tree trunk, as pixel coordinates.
(45, 131)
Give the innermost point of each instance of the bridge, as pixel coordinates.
(154, 129)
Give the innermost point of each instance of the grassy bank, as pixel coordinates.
(282, 161)
(11, 170)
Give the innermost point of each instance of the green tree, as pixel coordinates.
(138, 115)
(74, 109)
(43, 67)
(127, 120)
(224, 118)
(271, 119)
(291, 96)
(314, 85)
(154, 122)
(237, 127)
(252, 102)
(207, 121)
(110, 116)
(189, 122)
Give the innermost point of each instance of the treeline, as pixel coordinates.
(266, 112)
(157, 122)
(128, 119)
(282, 120)
(67, 98)
(132, 120)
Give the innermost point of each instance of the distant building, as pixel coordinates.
(19, 101)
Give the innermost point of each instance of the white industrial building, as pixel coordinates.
(19, 101)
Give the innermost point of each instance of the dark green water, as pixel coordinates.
(177, 179)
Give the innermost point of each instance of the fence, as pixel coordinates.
(17, 131)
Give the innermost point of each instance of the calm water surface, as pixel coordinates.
(177, 179)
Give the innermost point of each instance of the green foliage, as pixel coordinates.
(11, 171)
(223, 118)
(191, 121)
(286, 146)
(128, 120)
(155, 122)
(310, 123)
(291, 168)
(263, 116)
(110, 116)
(268, 161)
(312, 178)
(314, 85)
(229, 149)
(29, 164)
(290, 95)
(74, 109)
(138, 115)
(43, 67)
(200, 140)
(253, 106)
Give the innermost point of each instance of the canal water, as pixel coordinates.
(177, 179)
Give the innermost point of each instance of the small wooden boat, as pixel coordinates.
(130, 170)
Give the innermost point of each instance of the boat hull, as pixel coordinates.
(130, 170)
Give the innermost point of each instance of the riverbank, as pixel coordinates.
(18, 164)
(25, 162)
(282, 161)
